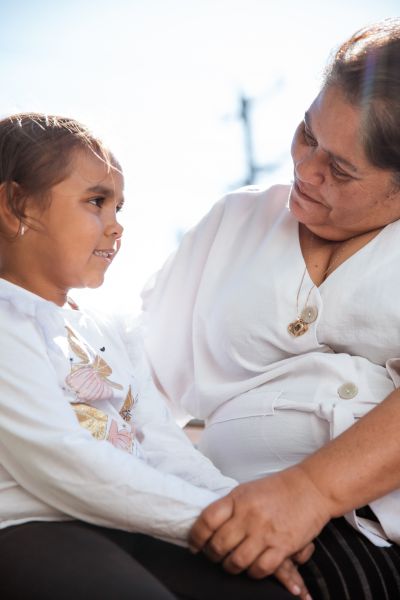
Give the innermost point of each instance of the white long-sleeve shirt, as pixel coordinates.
(218, 340)
(84, 434)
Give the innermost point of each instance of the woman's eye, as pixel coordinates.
(309, 139)
(338, 173)
(119, 207)
(97, 201)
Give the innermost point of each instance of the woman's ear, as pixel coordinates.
(10, 205)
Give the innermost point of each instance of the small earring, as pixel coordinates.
(22, 231)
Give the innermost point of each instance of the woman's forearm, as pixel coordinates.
(363, 463)
(262, 522)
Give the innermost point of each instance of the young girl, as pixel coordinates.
(88, 451)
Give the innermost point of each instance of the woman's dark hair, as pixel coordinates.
(367, 69)
(36, 152)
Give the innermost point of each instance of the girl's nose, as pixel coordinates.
(115, 229)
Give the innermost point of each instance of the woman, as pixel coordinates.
(277, 322)
(92, 466)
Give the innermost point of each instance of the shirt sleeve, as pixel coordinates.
(166, 446)
(168, 305)
(51, 456)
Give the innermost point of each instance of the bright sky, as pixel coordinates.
(160, 81)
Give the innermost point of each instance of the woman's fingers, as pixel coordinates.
(259, 564)
(304, 554)
(211, 519)
(267, 563)
(243, 555)
(291, 579)
(230, 537)
(249, 556)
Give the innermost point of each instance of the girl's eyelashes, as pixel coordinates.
(98, 201)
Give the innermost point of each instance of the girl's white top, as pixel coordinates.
(84, 434)
(217, 318)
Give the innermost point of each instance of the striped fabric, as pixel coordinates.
(347, 566)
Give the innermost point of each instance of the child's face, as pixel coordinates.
(78, 235)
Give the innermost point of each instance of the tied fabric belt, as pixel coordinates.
(339, 413)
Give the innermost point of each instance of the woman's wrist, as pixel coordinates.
(322, 490)
(360, 465)
(304, 482)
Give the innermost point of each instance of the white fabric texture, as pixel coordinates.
(140, 473)
(216, 317)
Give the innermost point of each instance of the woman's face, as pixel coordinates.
(336, 192)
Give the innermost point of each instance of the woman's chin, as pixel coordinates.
(299, 212)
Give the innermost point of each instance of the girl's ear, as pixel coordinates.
(10, 203)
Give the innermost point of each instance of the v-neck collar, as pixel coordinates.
(355, 256)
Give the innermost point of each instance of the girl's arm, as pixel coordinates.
(166, 445)
(48, 454)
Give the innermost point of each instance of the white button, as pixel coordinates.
(347, 391)
(309, 314)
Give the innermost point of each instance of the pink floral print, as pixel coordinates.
(121, 438)
(89, 378)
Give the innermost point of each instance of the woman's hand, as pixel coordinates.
(260, 524)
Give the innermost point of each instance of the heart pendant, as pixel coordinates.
(297, 328)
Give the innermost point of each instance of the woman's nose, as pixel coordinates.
(308, 161)
(309, 169)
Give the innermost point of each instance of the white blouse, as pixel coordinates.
(217, 338)
(84, 434)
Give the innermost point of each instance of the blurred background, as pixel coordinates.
(195, 98)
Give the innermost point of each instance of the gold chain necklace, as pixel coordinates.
(309, 313)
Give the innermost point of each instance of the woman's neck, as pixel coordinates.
(322, 256)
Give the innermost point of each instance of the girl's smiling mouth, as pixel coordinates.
(106, 254)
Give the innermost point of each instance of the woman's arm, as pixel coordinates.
(263, 522)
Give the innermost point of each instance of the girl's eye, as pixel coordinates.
(97, 201)
(338, 173)
(119, 207)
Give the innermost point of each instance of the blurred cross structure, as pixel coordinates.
(253, 169)
(194, 427)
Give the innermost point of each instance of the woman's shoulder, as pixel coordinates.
(251, 206)
(255, 198)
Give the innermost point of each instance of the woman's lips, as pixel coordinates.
(302, 194)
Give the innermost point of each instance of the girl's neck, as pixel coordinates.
(59, 297)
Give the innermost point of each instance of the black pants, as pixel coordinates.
(347, 566)
(76, 561)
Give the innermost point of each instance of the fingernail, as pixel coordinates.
(296, 590)
(308, 597)
(194, 550)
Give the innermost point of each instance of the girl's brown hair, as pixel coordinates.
(36, 152)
